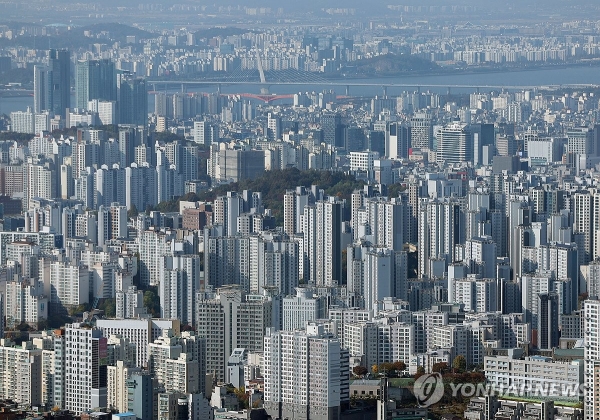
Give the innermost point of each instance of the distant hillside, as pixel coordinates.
(220, 31)
(117, 31)
(74, 38)
(273, 185)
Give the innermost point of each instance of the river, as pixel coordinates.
(539, 77)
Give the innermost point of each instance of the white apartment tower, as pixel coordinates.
(20, 373)
(129, 303)
(439, 231)
(232, 319)
(179, 282)
(298, 310)
(85, 381)
(306, 374)
(178, 363)
(591, 402)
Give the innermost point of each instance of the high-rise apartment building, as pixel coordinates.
(232, 319)
(306, 374)
(178, 362)
(591, 401)
(85, 373)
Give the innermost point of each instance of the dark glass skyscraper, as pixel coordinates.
(133, 100)
(52, 83)
(95, 79)
(333, 130)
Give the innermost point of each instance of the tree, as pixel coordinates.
(399, 366)
(459, 363)
(152, 303)
(133, 212)
(242, 396)
(440, 367)
(109, 307)
(386, 368)
(375, 369)
(360, 370)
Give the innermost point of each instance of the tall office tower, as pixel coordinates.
(95, 79)
(323, 232)
(582, 141)
(294, 202)
(42, 85)
(398, 137)
(355, 139)
(59, 62)
(333, 130)
(591, 401)
(482, 135)
(454, 144)
(179, 282)
(132, 100)
(506, 145)
(274, 127)
(178, 363)
(52, 83)
(205, 133)
(306, 374)
(548, 320)
(85, 376)
(421, 131)
(232, 319)
(439, 231)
